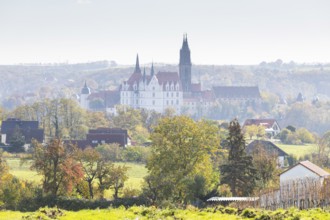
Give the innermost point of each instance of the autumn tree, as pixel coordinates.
(181, 155)
(57, 164)
(265, 163)
(238, 172)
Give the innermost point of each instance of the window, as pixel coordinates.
(153, 102)
(177, 94)
(177, 102)
(171, 102)
(153, 94)
(153, 88)
(94, 141)
(167, 102)
(172, 94)
(167, 94)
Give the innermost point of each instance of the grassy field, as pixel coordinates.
(23, 172)
(190, 213)
(298, 151)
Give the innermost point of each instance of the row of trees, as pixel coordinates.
(64, 168)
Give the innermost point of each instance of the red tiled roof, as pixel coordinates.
(164, 77)
(312, 167)
(268, 123)
(208, 95)
(135, 77)
(196, 87)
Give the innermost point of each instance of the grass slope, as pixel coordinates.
(299, 151)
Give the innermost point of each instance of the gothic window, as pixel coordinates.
(153, 102)
(153, 94)
(172, 94)
(177, 87)
(177, 94)
(167, 94)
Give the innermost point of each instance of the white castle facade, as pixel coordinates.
(167, 90)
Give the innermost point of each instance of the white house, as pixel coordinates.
(272, 128)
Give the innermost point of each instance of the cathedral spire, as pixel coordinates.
(144, 74)
(152, 71)
(185, 65)
(137, 65)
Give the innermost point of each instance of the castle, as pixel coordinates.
(169, 90)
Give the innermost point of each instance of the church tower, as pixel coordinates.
(185, 65)
(85, 92)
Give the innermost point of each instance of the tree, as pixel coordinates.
(4, 169)
(251, 130)
(57, 165)
(117, 178)
(89, 159)
(238, 172)
(181, 150)
(266, 166)
(17, 140)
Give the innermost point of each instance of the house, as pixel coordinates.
(99, 136)
(270, 148)
(303, 170)
(305, 185)
(272, 128)
(29, 130)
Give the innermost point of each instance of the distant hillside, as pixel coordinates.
(22, 83)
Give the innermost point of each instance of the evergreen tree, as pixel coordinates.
(238, 172)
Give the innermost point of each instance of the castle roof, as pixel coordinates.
(236, 92)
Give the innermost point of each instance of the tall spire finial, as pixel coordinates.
(144, 74)
(137, 65)
(152, 71)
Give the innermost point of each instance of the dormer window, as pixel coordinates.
(177, 87)
(134, 87)
(172, 87)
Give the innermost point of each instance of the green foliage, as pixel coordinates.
(45, 214)
(17, 141)
(110, 152)
(136, 154)
(181, 157)
(265, 164)
(238, 172)
(298, 136)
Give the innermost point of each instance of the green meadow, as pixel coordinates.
(136, 173)
(299, 151)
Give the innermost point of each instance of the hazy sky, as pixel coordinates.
(219, 31)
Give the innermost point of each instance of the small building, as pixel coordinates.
(303, 170)
(29, 130)
(100, 136)
(270, 148)
(272, 128)
(305, 185)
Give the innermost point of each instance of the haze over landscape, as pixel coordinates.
(154, 109)
(221, 32)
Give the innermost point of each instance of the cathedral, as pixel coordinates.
(169, 90)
